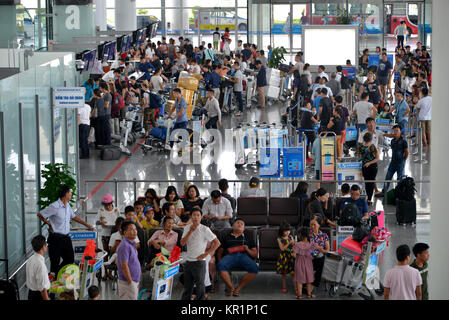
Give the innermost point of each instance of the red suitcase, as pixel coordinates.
(351, 248)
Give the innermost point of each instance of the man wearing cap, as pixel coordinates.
(254, 190)
(57, 216)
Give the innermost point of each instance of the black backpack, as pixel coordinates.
(405, 190)
(344, 81)
(350, 215)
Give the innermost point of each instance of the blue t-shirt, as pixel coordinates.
(361, 204)
(316, 103)
(181, 103)
(384, 68)
(89, 91)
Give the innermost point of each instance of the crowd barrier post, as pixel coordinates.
(135, 189)
(116, 190)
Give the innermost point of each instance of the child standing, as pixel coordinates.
(304, 264)
(285, 263)
(421, 252)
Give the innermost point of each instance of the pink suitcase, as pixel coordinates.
(380, 218)
(351, 248)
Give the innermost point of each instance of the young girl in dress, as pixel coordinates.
(303, 265)
(286, 262)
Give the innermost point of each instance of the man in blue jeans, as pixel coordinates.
(181, 111)
(399, 155)
(402, 109)
(237, 251)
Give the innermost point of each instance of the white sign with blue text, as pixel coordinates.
(68, 97)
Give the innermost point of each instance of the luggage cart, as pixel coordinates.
(163, 284)
(88, 272)
(349, 276)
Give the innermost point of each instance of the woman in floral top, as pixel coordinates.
(321, 242)
(369, 156)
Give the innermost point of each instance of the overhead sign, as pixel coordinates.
(68, 97)
(293, 162)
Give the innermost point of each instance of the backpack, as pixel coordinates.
(405, 190)
(118, 101)
(350, 215)
(344, 81)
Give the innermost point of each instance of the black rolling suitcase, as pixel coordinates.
(405, 211)
(110, 152)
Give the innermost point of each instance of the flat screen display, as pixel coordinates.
(89, 59)
(329, 47)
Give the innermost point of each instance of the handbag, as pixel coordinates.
(94, 111)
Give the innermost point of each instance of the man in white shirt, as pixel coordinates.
(218, 210)
(84, 115)
(36, 271)
(363, 109)
(403, 282)
(321, 85)
(227, 47)
(254, 189)
(298, 66)
(196, 236)
(321, 72)
(238, 86)
(118, 64)
(425, 115)
(213, 111)
(156, 81)
(239, 47)
(194, 67)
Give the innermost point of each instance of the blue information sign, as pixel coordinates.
(374, 59)
(270, 162)
(293, 162)
(349, 72)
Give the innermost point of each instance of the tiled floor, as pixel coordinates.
(157, 166)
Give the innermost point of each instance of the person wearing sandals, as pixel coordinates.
(321, 243)
(240, 251)
(304, 264)
(286, 263)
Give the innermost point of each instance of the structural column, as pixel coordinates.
(125, 15)
(439, 223)
(8, 25)
(100, 15)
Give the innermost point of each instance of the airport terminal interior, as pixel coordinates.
(289, 101)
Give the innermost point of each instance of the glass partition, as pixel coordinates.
(368, 14)
(33, 140)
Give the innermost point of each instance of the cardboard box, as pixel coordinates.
(189, 83)
(272, 92)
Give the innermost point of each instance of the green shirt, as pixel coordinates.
(424, 271)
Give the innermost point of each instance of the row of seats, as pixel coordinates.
(273, 212)
(257, 212)
(265, 238)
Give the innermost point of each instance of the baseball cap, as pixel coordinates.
(107, 199)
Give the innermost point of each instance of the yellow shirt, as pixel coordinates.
(150, 224)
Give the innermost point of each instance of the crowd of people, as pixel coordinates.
(207, 254)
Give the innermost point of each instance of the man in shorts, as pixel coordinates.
(384, 75)
(216, 38)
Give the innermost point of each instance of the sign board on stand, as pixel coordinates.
(79, 237)
(350, 171)
(327, 158)
(293, 162)
(68, 97)
(374, 59)
(349, 72)
(270, 162)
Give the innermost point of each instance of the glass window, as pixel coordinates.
(110, 3)
(9, 105)
(210, 3)
(368, 14)
(146, 3)
(325, 12)
(27, 94)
